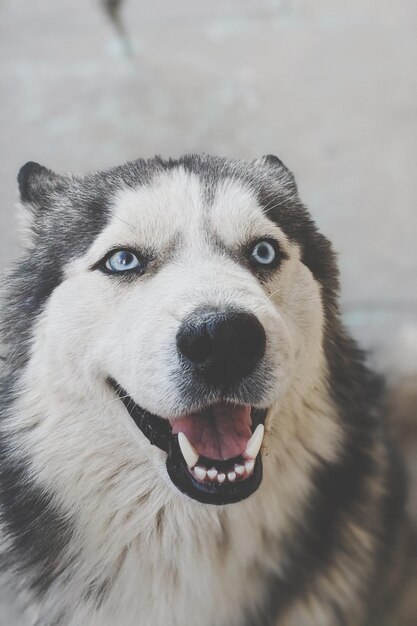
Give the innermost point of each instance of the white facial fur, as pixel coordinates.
(127, 330)
(86, 449)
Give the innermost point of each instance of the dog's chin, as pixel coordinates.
(232, 470)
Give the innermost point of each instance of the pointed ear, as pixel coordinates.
(38, 187)
(274, 164)
(36, 183)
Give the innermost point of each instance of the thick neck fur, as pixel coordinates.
(138, 546)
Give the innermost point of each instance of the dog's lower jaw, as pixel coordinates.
(227, 485)
(213, 492)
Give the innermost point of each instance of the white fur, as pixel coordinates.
(201, 565)
(25, 224)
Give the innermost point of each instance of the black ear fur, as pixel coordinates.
(35, 182)
(272, 162)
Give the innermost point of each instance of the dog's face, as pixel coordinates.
(191, 304)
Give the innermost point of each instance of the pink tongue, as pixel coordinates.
(221, 433)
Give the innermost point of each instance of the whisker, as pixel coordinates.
(103, 406)
(275, 206)
(114, 400)
(269, 203)
(273, 293)
(123, 221)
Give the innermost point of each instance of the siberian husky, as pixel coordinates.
(188, 434)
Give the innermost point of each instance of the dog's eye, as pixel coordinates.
(122, 261)
(264, 253)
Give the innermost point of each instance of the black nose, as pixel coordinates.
(223, 347)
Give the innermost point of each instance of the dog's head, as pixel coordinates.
(189, 291)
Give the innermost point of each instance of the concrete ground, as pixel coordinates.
(329, 87)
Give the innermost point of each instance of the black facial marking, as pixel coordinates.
(68, 213)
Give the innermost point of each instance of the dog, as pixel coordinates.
(188, 433)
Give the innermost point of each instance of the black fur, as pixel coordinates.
(68, 213)
(39, 530)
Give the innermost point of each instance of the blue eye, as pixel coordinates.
(264, 253)
(122, 261)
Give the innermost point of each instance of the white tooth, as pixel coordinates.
(188, 452)
(231, 476)
(249, 465)
(254, 443)
(200, 472)
(240, 470)
(221, 478)
(212, 473)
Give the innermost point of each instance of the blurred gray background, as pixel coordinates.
(329, 86)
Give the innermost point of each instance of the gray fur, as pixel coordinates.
(321, 563)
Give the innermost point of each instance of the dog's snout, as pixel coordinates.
(223, 347)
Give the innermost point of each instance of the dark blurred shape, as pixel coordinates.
(113, 10)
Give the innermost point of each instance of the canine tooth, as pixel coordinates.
(188, 451)
(231, 476)
(212, 473)
(239, 469)
(221, 477)
(200, 472)
(255, 442)
(249, 465)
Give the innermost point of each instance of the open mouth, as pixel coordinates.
(213, 455)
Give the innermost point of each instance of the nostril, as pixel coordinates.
(194, 342)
